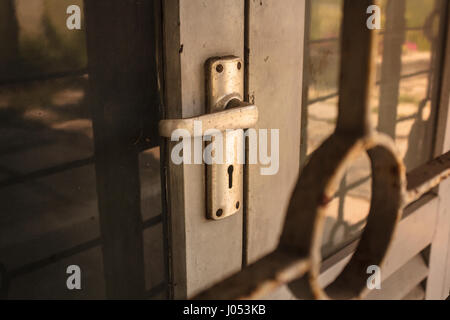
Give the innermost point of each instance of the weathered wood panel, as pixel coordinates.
(275, 64)
(202, 251)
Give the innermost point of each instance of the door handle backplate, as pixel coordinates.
(229, 114)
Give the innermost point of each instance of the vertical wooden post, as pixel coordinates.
(438, 282)
(120, 41)
(194, 31)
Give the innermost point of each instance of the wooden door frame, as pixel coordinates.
(194, 31)
(438, 283)
(273, 77)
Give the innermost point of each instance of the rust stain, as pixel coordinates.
(325, 201)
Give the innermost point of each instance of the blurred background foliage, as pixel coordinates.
(37, 39)
(327, 14)
(325, 23)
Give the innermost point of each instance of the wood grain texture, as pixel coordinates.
(275, 60)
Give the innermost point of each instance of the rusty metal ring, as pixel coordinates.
(304, 223)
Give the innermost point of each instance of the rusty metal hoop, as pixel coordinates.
(303, 231)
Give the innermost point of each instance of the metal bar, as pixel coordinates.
(356, 69)
(46, 172)
(407, 118)
(426, 177)
(281, 267)
(42, 263)
(336, 94)
(381, 33)
(64, 254)
(410, 75)
(323, 98)
(353, 185)
(306, 83)
(260, 278)
(415, 74)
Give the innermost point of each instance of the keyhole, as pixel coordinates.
(230, 176)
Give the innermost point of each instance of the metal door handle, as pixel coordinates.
(237, 115)
(226, 111)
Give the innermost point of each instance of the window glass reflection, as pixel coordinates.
(403, 102)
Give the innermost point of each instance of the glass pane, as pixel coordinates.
(48, 198)
(38, 41)
(403, 103)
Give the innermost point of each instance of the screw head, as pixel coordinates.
(239, 65)
(237, 205)
(219, 213)
(219, 68)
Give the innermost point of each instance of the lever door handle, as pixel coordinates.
(238, 115)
